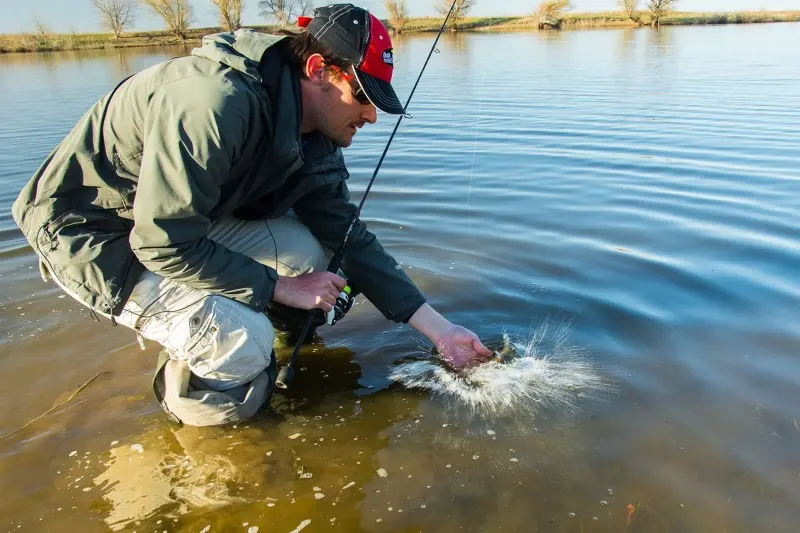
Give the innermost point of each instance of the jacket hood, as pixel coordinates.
(241, 50)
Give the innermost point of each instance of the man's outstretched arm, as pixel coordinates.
(327, 212)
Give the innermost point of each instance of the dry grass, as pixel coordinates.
(28, 42)
(746, 17)
(43, 42)
(607, 19)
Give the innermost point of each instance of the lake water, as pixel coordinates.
(640, 189)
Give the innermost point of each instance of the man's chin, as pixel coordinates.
(339, 137)
(344, 140)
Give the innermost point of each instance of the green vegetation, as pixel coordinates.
(42, 40)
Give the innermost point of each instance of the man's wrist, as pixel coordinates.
(429, 322)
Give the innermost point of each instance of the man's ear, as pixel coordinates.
(315, 68)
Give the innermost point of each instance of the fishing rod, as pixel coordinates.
(286, 375)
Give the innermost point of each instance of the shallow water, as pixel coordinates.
(641, 186)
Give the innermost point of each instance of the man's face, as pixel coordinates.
(341, 114)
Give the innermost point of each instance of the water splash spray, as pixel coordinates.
(524, 376)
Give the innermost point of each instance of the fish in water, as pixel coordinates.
(519, 377)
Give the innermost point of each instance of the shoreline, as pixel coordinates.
(33, 43)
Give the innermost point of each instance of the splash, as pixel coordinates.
(524, 376)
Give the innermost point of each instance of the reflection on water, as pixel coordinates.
(639, 185)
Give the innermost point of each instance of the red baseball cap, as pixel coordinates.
(357, 36)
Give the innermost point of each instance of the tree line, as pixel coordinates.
(177, 15)
(548, 14)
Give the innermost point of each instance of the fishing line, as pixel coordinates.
(56, 406)
(474, 150)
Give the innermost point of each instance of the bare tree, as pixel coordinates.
(629, 7)
(550, 14)
(659, 8)
(230, 13)
(459, 11)
(44, 37)
(281, 10)
(115, 14)
(177, 15)
(398, 14)
(304, 7)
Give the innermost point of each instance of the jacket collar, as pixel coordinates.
(282, 85)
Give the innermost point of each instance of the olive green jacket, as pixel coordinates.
(140, 179)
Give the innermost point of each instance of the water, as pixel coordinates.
(521, 378)
(641, 186)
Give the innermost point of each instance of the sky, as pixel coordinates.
(65, 15)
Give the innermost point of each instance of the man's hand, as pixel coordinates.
(317, 290)
(458, 345)
(461, 347)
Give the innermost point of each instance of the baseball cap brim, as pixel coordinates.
(380, 93)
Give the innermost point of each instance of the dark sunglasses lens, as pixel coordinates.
(361, 96)
(358, 92)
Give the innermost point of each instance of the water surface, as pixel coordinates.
(640, 187)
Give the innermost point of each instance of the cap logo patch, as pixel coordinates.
(388, 58)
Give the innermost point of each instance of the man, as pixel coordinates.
(207, 192)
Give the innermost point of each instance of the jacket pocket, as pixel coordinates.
(89, 253)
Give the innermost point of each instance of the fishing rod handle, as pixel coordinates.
(286, 375)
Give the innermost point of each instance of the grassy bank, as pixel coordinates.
(43, 42)
(603, 20)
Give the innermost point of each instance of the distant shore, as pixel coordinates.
(45, 42)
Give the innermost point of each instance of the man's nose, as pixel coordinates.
(370, 114)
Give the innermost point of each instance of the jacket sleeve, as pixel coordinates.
(192, 133)
(327, 212)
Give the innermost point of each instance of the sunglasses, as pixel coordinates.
(355, 87)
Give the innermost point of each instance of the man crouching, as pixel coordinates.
(201, 197)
